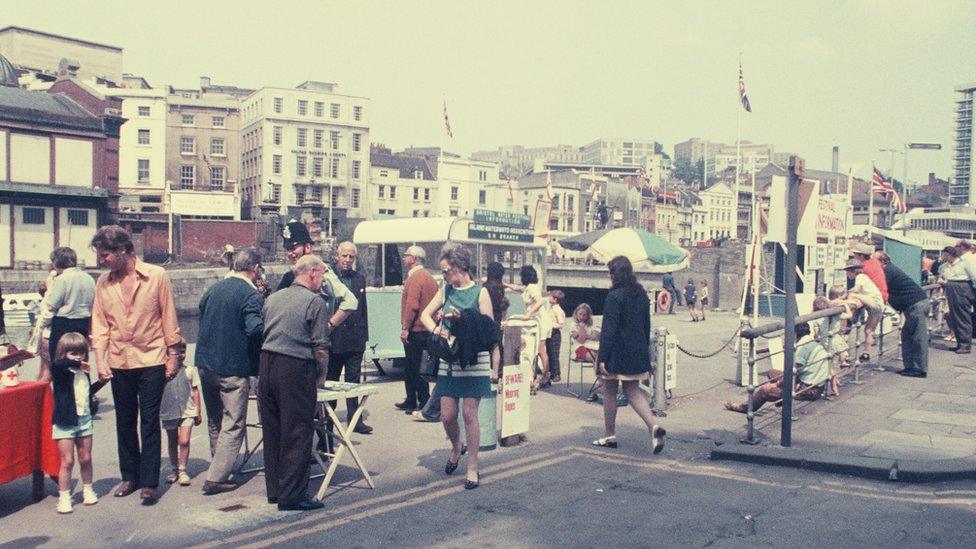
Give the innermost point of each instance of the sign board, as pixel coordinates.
(671, 368)
(806, 234)
(211, 204)
(514, 396)
(506, 219)
(543, 212)
(501, 226)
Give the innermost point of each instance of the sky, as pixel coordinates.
(858, 74)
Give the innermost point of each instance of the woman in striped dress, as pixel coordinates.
(472, 382)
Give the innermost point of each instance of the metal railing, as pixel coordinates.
(857, 349)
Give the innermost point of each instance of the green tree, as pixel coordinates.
(688, 172)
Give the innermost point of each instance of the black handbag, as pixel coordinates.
(438, 349)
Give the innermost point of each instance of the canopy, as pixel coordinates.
(426, 229)
(646, 251)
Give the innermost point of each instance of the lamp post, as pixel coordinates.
(909, 146)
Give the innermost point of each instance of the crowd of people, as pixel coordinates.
(122, 331)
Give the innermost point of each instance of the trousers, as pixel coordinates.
(352, 363)
(225, 398)
(417, 389)
(286, 402)
(138, 393)
(915, 337)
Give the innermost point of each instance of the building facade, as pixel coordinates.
(55, 167)
(619, 152)
(720, 221)
(305, 148)
(464, 185)
(575, 202)
(516, 160)
(41, 52)
(962, 190)
(400, 186)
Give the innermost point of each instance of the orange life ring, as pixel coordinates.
(663, 300)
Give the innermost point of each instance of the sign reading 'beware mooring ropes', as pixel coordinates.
(501, 226)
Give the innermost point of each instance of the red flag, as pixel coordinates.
(742, 92)
(549, 185)
(511, 189)
(447, 122)
(594, 190)
(878, 183)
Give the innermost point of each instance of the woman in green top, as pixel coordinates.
(473, 381)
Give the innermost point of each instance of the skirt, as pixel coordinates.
(627, 377)
(472, 381)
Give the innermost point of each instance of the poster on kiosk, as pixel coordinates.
(516, 381)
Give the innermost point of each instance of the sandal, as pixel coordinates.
(451, 466)
(606, 442)
(171, 478)
(472, 484)
(657, 439)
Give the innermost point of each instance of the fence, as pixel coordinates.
(857, 347)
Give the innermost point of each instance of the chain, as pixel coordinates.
(710, 355)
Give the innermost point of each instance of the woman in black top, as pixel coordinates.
(624, 351)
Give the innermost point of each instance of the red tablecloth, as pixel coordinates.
(25, 431)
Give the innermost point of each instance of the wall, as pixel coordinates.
(5, 259)
(200, 239)
(33, 242)
(78, 237)
(30, 158)
(73, 162)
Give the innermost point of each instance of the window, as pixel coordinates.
(357, 141)
(216, 178)
(278, 104)
(186, 119)
(317, 166)
(188, 145)
(454, 194)
(143, 137)
(78, 217)
(453, 212)
(392, 192)
(302, 137)
(416, 213)
(426, 195)
(187, 173)
(217, 146)
(382, 191)
(384, 211)
(217, 121)
(355, 198)
(335, 197)
(357, 113)
(317, 138)
(276, 135)
(482, 175)
(302, 107)
(416, 193)
(334, 138)
(276, 164)
(319, 109)
(317, 194)
(300, 163)
(299, 194)
(276, 192)
(355, 169)
(334, 168)
(418, 174)
(334, 109)
(143, 170)
(143, 111)
(569, 202)
(33, 216)
(482, 197)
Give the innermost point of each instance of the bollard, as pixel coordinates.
(878, 367)
(750, 413)
(659, 371)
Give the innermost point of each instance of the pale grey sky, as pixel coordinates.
(861, 74)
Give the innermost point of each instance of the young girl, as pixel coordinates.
(555, 342)
(704, 298)
(582, 333)
(537, 307)
(179, 411)
(829, 331)
(691, 298)
(72, 416)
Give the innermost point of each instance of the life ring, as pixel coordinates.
(663, 300)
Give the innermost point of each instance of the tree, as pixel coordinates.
(688, 172)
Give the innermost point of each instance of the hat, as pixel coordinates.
(865, 249)
(853, 264)
(416, 251)
(295, 233)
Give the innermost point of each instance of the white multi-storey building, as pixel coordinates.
(962, 190)
(400, 186)
(619, 152)
(465, 185)
(720, 221)
(306, 147)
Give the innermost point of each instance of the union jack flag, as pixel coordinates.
(742, 92)
(881, 186)
(447, 122)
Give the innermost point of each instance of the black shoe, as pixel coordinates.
(307, 505)
(362, 428)
(93, 404)
(472, 484)
(149, 495)
(211, 488)
(410, 411)
(913, 373)
(403, 405)
(556, 379)
(272, 501)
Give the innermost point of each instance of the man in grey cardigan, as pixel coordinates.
(294, 360)
(227, 355)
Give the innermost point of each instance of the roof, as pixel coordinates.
(8, 75)
(38, 108)
(427, 229)
(13, 28)
(407, 165)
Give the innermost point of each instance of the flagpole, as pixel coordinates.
(738, 155)
(871, 197)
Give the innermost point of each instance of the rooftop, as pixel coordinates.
(22, 30)
(37, 108)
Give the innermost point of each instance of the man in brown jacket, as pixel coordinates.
(418, 290)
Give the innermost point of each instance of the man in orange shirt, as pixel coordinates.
(418, 290)
(872, 267)
(134, 335)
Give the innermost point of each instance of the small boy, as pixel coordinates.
(691, 299)
(555, 342)
(179, 411)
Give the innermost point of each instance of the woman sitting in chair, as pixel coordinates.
(812, 367)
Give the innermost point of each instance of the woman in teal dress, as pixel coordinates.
(472, 382)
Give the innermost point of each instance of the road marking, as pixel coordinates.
(316, 518)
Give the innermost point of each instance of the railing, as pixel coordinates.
(857, 348)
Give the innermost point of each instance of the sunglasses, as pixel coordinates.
(446, 271)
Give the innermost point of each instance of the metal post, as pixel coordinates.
(878, 367)
(795, 175)
(659, 370)
(750, 413)
(856, 357)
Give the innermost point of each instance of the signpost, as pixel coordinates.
(795, 176)
(501, 226)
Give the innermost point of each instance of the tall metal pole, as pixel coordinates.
(904, 192)
(331, 203)
(789, 318)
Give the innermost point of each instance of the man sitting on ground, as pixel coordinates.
(812, 367)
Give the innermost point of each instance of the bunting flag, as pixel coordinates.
(549, 184)
(594, 190)
(447, 122)
(511, 189)
(878, 183)
(897, 203)
(742, 92)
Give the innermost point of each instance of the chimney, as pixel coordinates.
(204, 82)
(835, 163)
(68, 69)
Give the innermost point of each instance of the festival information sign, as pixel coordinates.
(500, 226)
